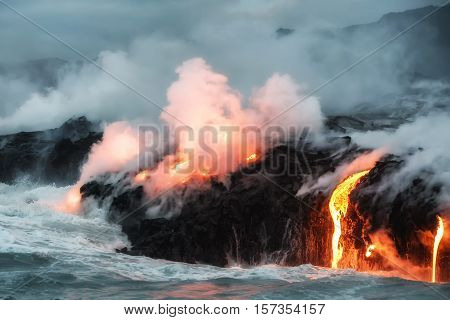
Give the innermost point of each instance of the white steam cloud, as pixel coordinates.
(201, 97)
(241, 42)
(424, 145)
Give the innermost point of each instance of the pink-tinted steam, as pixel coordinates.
(118, 148)
(203, 97)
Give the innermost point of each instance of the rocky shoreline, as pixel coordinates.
(258, 218)
(255, 217)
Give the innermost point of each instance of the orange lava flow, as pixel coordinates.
(142, 176)
(338, 207)
(437, 240)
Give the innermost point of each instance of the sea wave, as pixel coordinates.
(51, 255)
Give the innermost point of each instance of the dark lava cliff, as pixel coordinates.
(50, 156)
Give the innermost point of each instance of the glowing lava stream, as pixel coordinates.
(251, 157)
(142, 176)
(437, 240)
(369, 250)
(338, 207)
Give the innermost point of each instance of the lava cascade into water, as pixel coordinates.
(338, 207)
(437, 241)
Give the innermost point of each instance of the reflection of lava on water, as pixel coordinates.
(209, 290)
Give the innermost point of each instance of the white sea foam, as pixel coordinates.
(75, 256)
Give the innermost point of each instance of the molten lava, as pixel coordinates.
(251, 157)
(338, 207)
(142, 176)
(437, 240)
(178, 167)
(370, 250)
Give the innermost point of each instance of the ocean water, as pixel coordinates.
(46, 254)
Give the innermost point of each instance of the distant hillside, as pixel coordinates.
(48, 156)
(422, 52)
(426, 46)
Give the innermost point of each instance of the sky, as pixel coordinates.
(142, 43)
(94, 26)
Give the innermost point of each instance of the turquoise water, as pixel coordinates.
(46, 254)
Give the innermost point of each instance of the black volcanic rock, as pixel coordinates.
(50, 156)
(343, 123)
(255, 218)
(96, 190)
(405, 211)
